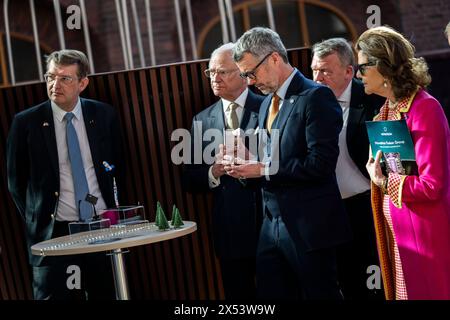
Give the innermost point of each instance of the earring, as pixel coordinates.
(385, 83)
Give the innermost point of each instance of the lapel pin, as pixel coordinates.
(91, 122)
(45, 124)
(292, 100)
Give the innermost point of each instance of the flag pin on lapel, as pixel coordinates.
(45, 124)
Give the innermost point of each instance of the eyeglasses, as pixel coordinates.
(209, 73)
(362, 67)
(252, 73)
(51, 78)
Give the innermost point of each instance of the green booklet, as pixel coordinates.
(394, 140)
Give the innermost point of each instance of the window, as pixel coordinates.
(296, 21)
(24, 58)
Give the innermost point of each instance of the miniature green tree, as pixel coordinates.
(176, 218)
(163, 223)
(160, 219)
(158, 214)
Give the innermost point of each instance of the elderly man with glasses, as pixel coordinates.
(304, 219)
(236, 211)
(55, 152)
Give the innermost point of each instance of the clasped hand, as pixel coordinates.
(239, 163)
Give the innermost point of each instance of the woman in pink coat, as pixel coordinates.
(411, 212)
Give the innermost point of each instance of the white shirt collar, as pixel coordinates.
(346, 95)
(281, 92)
(59, 113)
(240, 100)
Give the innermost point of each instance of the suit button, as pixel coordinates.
(52, 216)
(56, 194)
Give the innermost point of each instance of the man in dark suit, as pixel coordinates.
(236, 217)
(304, 218)
(333, 65)
(45, 185)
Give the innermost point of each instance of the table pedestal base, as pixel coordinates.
(120, 276)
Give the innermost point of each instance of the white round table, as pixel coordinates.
(113, 239)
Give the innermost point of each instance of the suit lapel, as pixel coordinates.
(48, 131)
(216, 118)
(283, 114)
(356, 111)
(289, 101)
(249, 119)
(264, 111)
(92, 133)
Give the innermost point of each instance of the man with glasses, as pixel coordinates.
(236, 212)
(55, 152)
(333, 65)
(304, 218)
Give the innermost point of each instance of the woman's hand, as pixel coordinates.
(374, 169)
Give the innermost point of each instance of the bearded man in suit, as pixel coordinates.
(304, 219)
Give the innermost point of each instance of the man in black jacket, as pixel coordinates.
(236, 213)
(333, 65)
(55, 152)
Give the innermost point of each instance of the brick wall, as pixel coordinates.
(424, 22)
(421, 21)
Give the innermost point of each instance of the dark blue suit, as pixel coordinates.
(304, 215)
(33, 177)
(236, 215)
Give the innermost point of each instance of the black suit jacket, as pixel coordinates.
(304, 190)
(362, 108)
(237, 206)
(33, 169)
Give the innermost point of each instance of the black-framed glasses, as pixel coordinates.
(252, 73)
(50, 78)
(209, 73)
(363, 66)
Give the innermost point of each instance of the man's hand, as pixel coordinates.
(218, 168)
(245, 170)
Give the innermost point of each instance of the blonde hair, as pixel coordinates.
(394, 57)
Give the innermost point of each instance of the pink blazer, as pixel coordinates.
(422, 224)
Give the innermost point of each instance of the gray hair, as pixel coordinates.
(259, 42)
(68, 57)
(225, 48)
(447, 30)
(340, 46)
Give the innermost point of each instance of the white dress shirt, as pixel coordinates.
(350, 180)
(67, 209)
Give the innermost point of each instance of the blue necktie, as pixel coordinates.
(78, 175)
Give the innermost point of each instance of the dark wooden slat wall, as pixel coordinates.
(151, 104)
